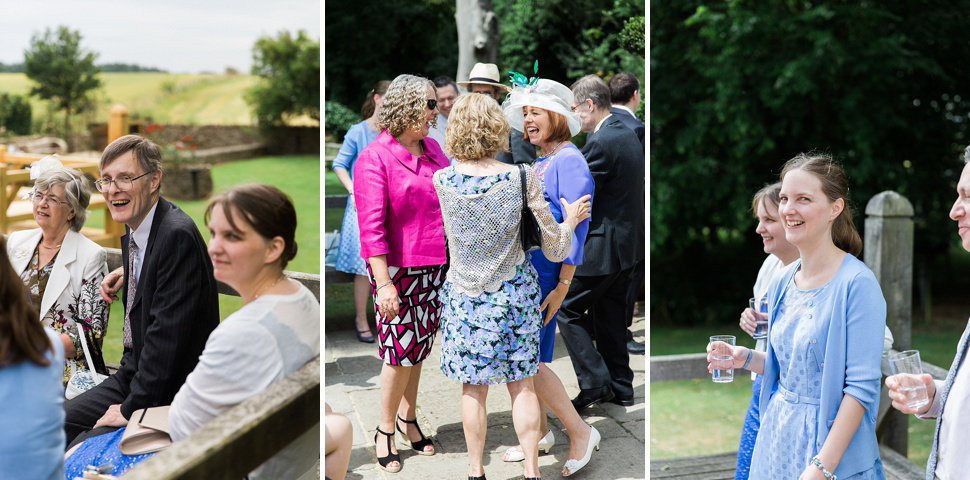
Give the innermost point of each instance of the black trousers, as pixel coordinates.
(84, 410)
(595, 307)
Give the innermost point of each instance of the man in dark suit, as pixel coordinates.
(170, 295)
(595, 305)
(625, 97)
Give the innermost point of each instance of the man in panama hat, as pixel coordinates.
(484, 78)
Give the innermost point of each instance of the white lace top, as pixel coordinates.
(482, 230)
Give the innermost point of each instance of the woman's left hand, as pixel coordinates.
(553, 301)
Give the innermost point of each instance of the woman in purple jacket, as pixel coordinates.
(402, 239)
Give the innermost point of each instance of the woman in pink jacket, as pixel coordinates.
(402, 239)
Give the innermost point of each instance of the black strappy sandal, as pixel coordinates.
(391, 457)
(476, 478)
(418, 446)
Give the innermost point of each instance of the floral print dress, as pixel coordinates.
(87, 307)
(491, 338)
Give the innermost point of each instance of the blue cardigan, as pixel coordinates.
(856, 310)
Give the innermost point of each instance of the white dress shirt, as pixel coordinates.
(141, 235)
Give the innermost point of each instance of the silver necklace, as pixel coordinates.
(554, 150)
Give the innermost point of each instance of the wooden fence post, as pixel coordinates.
(889, 253)
(117, 122)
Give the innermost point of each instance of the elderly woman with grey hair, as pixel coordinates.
(60, 267)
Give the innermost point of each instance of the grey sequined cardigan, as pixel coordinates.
(483, 231)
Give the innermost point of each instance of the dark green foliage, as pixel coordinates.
(338, 119)
(372, 40)
(290, 83)
(11, 68)
(15, 114)
(632, 37)
(127, 67)
(569, 38)
(64, 73)
(739, 87)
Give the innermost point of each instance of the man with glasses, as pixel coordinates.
(595, 305)
(170, 299)
(484, 79)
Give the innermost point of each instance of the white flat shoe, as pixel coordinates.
(573, 466)
(545, 444)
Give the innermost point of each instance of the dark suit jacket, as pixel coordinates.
(615, 240)
(175, 309)
(632, 122)
(521, 151)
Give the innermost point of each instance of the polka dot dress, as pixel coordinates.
(786, 440)
(789, 424)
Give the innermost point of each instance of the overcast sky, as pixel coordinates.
(175, 35)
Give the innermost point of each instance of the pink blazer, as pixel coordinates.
(397, 207)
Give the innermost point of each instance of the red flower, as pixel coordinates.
(187, 138)
(192, 147)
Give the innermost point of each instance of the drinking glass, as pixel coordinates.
(761, 324)
(909, 372)
(723, 352)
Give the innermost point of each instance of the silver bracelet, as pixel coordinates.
(818, 463)
(379, 287)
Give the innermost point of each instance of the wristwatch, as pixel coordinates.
(565, 282)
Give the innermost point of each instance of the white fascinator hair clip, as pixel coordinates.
(44, 165)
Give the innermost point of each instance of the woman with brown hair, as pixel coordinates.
(348, 251)
(252, 229)
(820, 392)
(31, 393)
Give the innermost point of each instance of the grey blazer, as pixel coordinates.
(961, 351)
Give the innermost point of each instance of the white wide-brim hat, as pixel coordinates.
(546, 94)
(484, 74)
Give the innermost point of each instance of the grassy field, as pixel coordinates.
(161, 97)
(340, 296)
(296, 175)
(699, 417)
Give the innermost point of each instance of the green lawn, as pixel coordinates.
(297, 175)
(699, 417)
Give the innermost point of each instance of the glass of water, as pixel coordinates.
(723, 354)
(909, 373)
(761, 324)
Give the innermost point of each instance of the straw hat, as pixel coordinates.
(546, 94)
(484, 74)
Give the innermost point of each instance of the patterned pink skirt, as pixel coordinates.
(406, 340)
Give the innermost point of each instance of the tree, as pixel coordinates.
(15, 114)
(477, 35)
(739, 87)
(290, 83)
(64, 74)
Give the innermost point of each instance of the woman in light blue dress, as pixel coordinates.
(827, 315)
(348, 252)
(31, 392)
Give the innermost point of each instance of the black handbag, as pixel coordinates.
(528, 227)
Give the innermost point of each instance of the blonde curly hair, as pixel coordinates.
(404, 104)
(477, 129)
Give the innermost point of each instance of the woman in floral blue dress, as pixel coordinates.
(348, 252)
(490, 317)
(827, 315)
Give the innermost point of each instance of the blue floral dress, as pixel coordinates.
(789, 424)
(492, 338)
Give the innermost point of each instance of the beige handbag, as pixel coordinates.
(147, 431)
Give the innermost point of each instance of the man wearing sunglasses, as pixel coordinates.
(484, 79)
(170, 299)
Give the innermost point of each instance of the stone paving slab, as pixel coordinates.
(352, 380)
